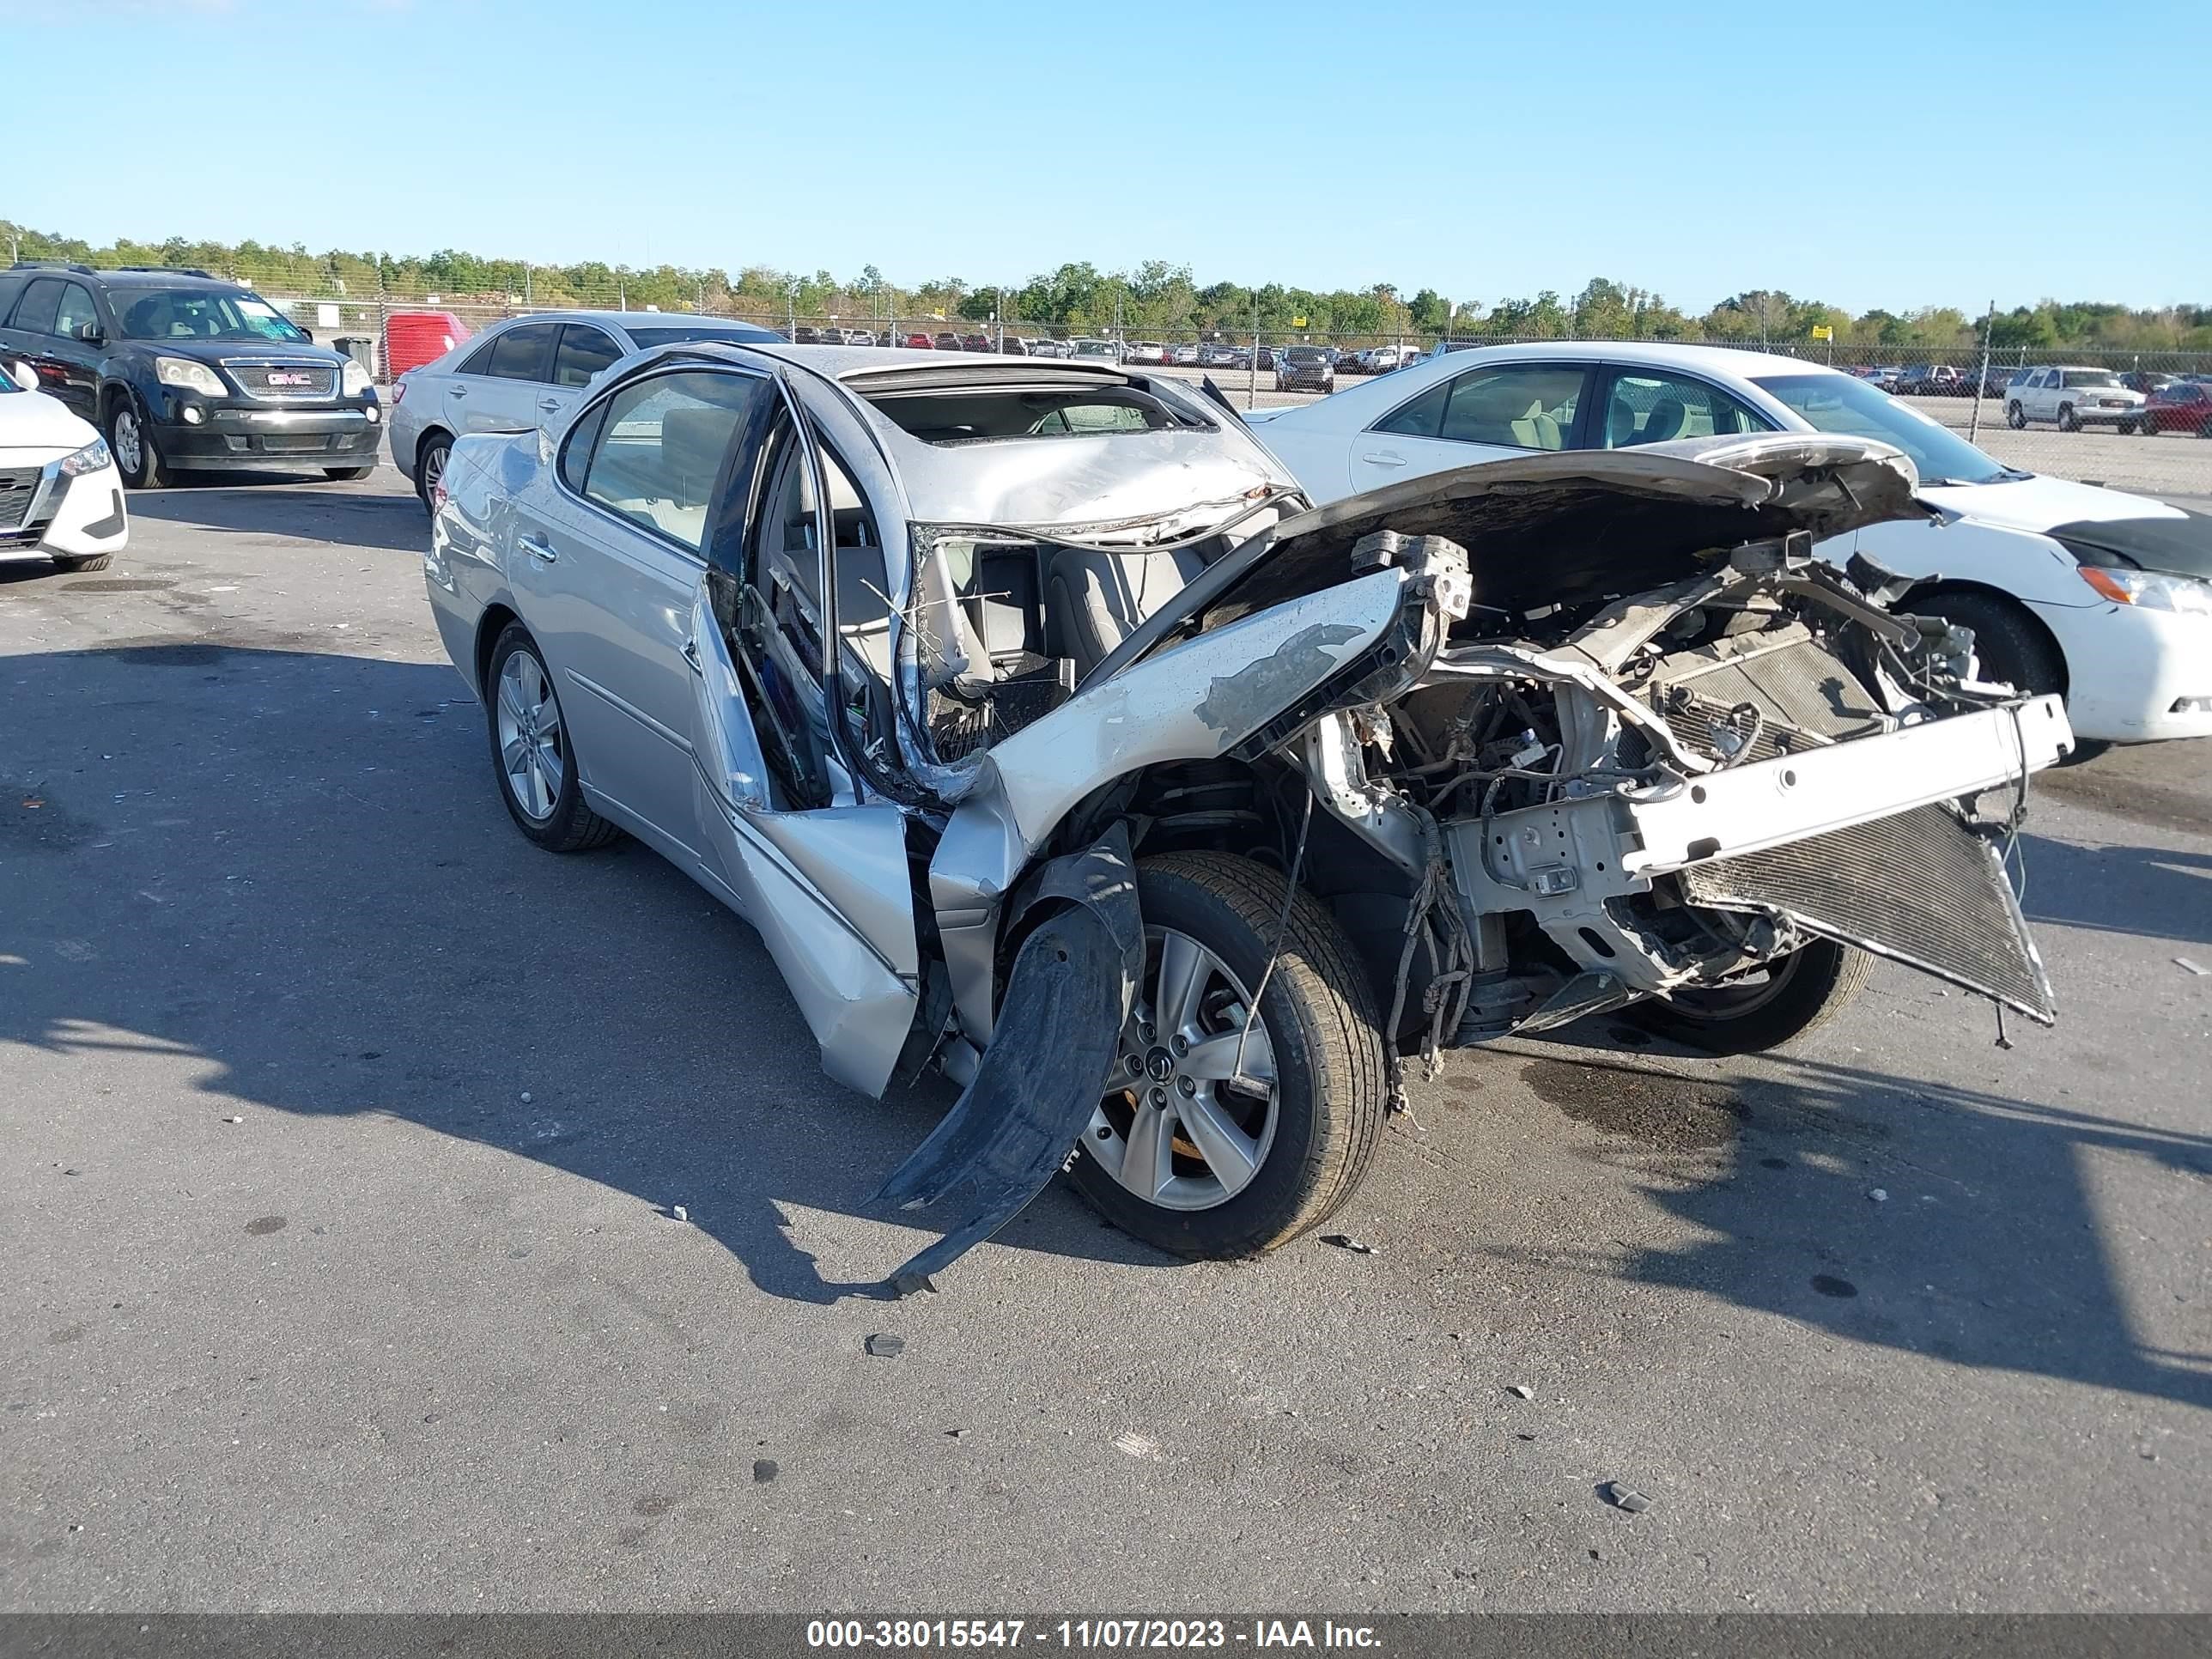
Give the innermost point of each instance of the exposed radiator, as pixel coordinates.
(1920, 887)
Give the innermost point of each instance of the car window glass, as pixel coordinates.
(479, 360)
(585, 352)
(522, 353)
(40, 301)
(1515, 405)
(1651, 408)
(576, 452)
(75, 311)
(661, 444)
(1424, 417)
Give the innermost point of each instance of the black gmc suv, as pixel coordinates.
(183, 371)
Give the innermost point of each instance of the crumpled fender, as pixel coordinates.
(1038, 1082)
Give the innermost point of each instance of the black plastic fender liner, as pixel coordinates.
(1058, 1027)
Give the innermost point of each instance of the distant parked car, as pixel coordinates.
(2073, 398)
(2179, 406)
(527, 370)
(1095, 351)
(976, 343)
(1304, 368)
(946, 341)
(1932, 381)
(2147, 380)
(1183, 357)
(412, 339)
(1382, 359)
(1215, 355)
(1144, 351)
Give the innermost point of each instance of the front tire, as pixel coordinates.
(89, 563)
(1807, 988)
(2011, 646)
(2066, 421)
(1177, 1157)
(136, 459)
(2016, 417)
(530, 753)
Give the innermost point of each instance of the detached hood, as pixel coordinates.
(1581, 525)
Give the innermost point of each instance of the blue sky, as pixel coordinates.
(1876, 154)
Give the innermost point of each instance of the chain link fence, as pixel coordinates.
(1975, 390)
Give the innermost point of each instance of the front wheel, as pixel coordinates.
(1807, 988)
(136, 458)
(2016, 417)
(1223, 1131)
(2066, 421)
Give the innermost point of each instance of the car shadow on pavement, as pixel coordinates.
(296, 867)
(1949, 1221)
(2155, 892)
(308, 512)
(291, 872)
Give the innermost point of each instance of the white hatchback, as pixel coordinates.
(2103, 596)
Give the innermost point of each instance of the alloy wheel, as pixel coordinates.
(533, 748)
(129, 446)
(1190, 1111)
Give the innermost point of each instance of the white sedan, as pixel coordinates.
(2103, 596)
(61, 498)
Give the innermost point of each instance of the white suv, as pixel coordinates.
(2072, 396)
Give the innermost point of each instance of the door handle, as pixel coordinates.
(691, 656)
(549, 404)
(1383, 458)
(457, 392)
(538, 549)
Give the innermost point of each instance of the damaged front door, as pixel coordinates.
(821, 873)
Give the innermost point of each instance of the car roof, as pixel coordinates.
(629, 320)
(1711, 360)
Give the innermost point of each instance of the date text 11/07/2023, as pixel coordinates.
(1087, 1634)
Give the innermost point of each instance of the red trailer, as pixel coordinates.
(412, 339)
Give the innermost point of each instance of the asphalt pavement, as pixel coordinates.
(344, 1132)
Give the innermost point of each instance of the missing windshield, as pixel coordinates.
(945, 416)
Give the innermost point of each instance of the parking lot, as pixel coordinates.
(348, 1130)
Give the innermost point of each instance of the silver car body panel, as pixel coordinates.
(1292, 644)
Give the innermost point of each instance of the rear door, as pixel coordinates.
(1486, 412)
(610, 562)
(46, 322)
(501, 384)
(582, 352)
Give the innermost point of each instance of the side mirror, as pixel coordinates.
(307, 334)
(23, 375)
(91, 333)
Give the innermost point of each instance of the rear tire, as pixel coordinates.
(347, 474)
(555, 815)
(2016, 417)
(1316, 1016)
(430, 465)
(1807, 988)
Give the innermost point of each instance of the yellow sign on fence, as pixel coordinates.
(1298, 322)
(1822, 332)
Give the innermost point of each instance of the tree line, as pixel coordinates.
(1156, 298)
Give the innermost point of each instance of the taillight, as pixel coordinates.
(398, 391)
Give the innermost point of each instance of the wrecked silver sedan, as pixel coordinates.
(1049, 740)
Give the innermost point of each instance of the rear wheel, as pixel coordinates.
(136, 458)
(1225, 1131)
(430, 465)
(531, 752)
(1807, 988)
(2016, 417)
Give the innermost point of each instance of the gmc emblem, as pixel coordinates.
(281, 377)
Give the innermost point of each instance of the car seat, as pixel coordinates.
(1096, 599)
